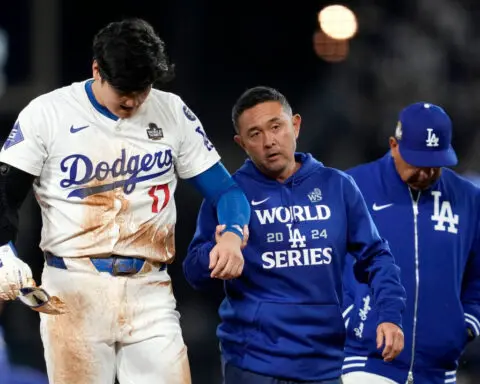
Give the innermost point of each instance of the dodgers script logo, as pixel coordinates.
(80, 170)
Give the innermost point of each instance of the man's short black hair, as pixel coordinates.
(130, 55)
(257, 95)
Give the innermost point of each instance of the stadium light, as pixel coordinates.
(338, 22)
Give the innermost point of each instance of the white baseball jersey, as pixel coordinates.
(106, 186)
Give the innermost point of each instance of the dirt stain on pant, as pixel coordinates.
(70, 358)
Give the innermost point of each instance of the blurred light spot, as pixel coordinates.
(329, 49)
(338, 22)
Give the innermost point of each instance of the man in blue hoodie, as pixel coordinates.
(430, 216)
(281, 320)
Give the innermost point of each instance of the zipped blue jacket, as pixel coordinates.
(435, 237)
(282, 318)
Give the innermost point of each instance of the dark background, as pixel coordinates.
(405, 51)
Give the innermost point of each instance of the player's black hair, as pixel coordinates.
(131, 56)
(257, 95)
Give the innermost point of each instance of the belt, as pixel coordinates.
(116, 265)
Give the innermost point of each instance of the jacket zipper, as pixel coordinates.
(417, 283)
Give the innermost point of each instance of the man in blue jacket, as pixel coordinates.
(430, 216)
(281, 320)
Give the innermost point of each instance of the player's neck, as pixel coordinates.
(97, 93)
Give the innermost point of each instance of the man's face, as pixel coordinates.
(123, 105)
(416, 177)
(268, 135)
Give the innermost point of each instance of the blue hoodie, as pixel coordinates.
(435, 239)
(282, 317)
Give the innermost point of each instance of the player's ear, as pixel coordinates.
(296, 121)
(239, 141)
(392, 141)
(95, 71)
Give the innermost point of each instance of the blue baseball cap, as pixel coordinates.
(424, 135)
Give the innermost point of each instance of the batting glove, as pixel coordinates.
(14, 273)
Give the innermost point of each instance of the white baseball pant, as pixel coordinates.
(124, 326)
(365, 378)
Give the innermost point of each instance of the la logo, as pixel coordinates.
(443, 214)
(432, 139)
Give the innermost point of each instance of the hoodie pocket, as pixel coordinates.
(298, 329)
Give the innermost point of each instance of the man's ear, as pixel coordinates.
(296, 121)
(239, 141)
(95, 71)
(392, 141)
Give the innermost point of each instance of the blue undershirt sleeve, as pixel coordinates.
(219, 189)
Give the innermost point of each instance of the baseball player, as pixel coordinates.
(281, 321)
(104, 156)
(430, 216)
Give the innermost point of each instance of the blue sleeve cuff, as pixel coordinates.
(391, 312)
(196, 266)
(218, 187)
(393, 318)
(233, 210)
(204, 255)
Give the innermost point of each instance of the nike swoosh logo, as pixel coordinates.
(380, 207)
(76, 129)
(259, 202)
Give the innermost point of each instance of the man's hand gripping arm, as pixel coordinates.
(233, 212)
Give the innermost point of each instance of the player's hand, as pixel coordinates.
(390, 336)
(226, 259)
(14, 273)
(220, 228)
